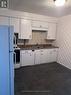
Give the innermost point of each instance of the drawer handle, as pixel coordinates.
(40, 26)
(30, 54)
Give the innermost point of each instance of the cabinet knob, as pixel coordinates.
(33, 50)
(26, 51)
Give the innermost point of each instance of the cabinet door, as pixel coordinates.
(43, 56)
(4, 20)
(48, 56)
(40, 24)
(37, 56)
(36, 24)
(51, 31)
(27, 58)
(44, 25)
(26, 30)
(16, 23)
(53, 55)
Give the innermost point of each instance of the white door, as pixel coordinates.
(26, 30)
(44, 25)
(48, 56)
(36, 24)
(39, 25)
(53, 55)
(37, 56)
(43, 56)
(27, 58)
(51, 31)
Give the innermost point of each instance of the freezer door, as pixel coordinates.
(11, 60)
(11, 72)
(4, 61)
(11, 38)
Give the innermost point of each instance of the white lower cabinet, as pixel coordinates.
(44, 56)
(27, 57)
(41, 56)
(37, 56)
(53, 55)
(48, 55)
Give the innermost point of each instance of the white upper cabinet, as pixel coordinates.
(39, 25)
(26, 30)
(51, 31)
(4, 20)
(16, 23)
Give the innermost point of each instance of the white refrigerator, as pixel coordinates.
(6, 60)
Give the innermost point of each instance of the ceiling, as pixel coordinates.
(43, 7)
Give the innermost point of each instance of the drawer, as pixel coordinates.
(26, 51)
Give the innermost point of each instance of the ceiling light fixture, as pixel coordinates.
(59, 2)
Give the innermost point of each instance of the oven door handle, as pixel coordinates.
(15, 41)
(15, 58)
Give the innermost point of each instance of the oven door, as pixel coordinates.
(15, 39)
(16, 58)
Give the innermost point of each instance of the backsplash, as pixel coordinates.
(38, 37)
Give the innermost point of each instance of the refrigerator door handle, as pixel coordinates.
(15, 41)
(15, 58)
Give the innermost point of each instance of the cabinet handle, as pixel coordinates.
(40, 26)
(15, 57)
(33, 50)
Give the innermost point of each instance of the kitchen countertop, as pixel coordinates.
(35, 47)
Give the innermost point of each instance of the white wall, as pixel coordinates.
(64, 41)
